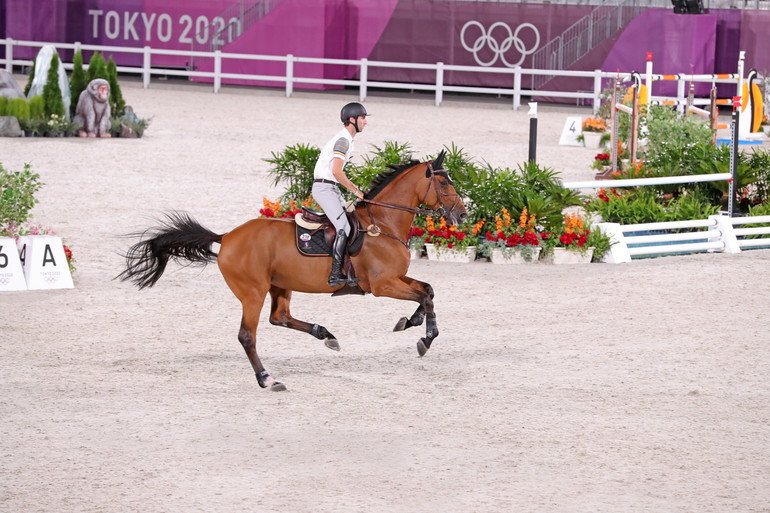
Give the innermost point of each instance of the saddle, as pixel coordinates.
(315, 235)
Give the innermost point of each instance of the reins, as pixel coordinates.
(373, 229)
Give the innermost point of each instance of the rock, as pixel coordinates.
(42, 64)
(9, 87)
(9, 127)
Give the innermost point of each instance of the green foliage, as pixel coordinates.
(633, 208)
(392, 153)
(543, 195)
(52, 95)
(643, 206)
(3, 105)
(37, 107)
(600, 241)
(31, 76)
(78, 80)
(670, 139)
(116, 96)
(759, 162)
(18, 107)
(97, 68)
(294, 166)
(17, 195)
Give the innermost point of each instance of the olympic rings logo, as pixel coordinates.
(499, 49)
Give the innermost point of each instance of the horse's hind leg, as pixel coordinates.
(281, 316)
(418, 316)
(247, 336)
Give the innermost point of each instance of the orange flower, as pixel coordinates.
(523, 218)
(429, 224)
(442, 224)
(308, 201)
(477, 227)
(498, 223)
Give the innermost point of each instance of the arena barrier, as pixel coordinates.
(715, 234)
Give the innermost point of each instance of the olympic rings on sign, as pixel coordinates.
(499, 49)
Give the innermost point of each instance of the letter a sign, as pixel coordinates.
(44, 262)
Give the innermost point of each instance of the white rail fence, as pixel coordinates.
(289, 78)
(718, 233)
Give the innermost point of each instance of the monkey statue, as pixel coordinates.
(93, 110)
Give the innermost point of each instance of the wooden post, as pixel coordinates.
(634, 126)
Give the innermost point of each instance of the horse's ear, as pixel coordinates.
(439, 160)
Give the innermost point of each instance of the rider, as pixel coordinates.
(329, 175)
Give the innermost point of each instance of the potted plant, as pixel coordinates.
(593, 130)
(569, 244)
(449, 243)
(512, 243)
(416, 241)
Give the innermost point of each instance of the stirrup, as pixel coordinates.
(341, 279)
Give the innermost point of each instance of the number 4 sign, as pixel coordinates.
(572, 129)
(11, 273)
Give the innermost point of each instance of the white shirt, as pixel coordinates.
(339, 147)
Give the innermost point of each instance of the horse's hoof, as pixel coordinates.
(422, 348)
(401, 326)
(332, 343)
(277, 387)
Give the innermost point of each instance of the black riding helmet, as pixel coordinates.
(352, 110)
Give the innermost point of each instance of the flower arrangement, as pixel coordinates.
(509, 237)
(446, 236)
(575, 233)
(59, 125)
(594, 125)
(416, 238)
(276, 210)
(601, 160)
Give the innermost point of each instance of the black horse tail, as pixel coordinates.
(179, 237)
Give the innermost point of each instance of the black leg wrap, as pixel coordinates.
(417, 318)
(431, 330)
(262, 378)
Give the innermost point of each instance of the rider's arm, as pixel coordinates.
(339, 174)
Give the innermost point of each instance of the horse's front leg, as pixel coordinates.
(409, 289)
(418, 316)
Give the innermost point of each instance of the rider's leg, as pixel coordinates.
(330, 199)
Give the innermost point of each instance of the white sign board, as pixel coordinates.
(11, 272)
(44, 262)
(572, 129)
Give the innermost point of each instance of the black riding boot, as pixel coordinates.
(336, 277)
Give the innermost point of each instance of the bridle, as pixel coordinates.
(437, 209)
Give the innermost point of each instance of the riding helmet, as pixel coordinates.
(352, 110)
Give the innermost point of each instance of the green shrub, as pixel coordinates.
(37, 107)
(78, 80)
(52, 95)
(294, 167)
(97, 68)
(393, 153)
(18, 107)
(116, 96)
(3, 105)
(17, 195)
(31, 76)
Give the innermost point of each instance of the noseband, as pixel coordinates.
(438, 208)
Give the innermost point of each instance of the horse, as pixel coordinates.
(260, 257)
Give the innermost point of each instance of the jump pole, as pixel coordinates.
(532, 132)
(631, 111)
(712, 115)
(734, 155)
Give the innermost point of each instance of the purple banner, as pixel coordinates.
(492, 34)
(679, 43)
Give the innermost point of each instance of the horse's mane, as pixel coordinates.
(382, 180)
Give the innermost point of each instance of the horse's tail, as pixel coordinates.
(179, 237)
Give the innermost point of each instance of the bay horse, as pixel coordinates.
(261, 256)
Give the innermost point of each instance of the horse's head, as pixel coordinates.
(441, 195)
